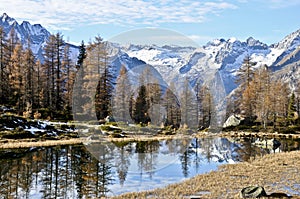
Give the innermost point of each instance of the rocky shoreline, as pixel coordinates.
(17, 132)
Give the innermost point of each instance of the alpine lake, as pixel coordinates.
(104, 169)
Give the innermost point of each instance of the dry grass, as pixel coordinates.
(275, 172)
(27, 144)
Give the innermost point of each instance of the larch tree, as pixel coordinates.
(188, 106)
(39, 92)
(121, 97)
(104, 88)
(28, 60)
(12, 41)
(97, 81)
(99, 57)
(154, 95)
(17, 80)
(59, 49)
(3, 68)
(49, 74)
(86, 84)
(247, 104)
(245, 72)
(68, 77)
(264, 99)
(245, 95)
(52, 69)
(261, 85)
(172, 106)
(206, 106)
(279, 101)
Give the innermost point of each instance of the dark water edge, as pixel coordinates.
(78, 171)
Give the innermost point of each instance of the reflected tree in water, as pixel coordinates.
(185, 163)
(55, 172)
(122, 162)
(147, 156)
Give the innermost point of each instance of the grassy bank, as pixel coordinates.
(276, 172)
(27, 144)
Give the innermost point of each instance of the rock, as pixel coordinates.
(253, 192)
(109, 119)
(233, 120)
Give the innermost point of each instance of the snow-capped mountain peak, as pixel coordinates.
(290, 41)
(220, 56)
(36, 34)
(289, 48)
(5, 19)
(232, 40)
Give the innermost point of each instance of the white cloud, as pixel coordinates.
(56, 14)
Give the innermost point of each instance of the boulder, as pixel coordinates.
(233, 120)
(253, 192)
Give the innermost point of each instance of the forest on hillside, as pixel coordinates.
(52, 87)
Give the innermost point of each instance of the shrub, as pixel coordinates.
(111, 123)
(110, 128)
(37, 115)
(121, 144)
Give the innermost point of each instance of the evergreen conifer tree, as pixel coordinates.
(292, 109)
(140, 113)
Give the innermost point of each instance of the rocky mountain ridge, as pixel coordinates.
(36, 34)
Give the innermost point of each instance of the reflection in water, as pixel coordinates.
(72, 172)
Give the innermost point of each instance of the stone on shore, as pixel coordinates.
(253, 192)
(233, 120)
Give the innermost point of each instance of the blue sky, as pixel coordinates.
(202, 20)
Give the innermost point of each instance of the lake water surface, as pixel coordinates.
(79, 171)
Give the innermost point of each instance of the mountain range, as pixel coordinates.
(219, 58)
(223, 57)
(36, 34)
